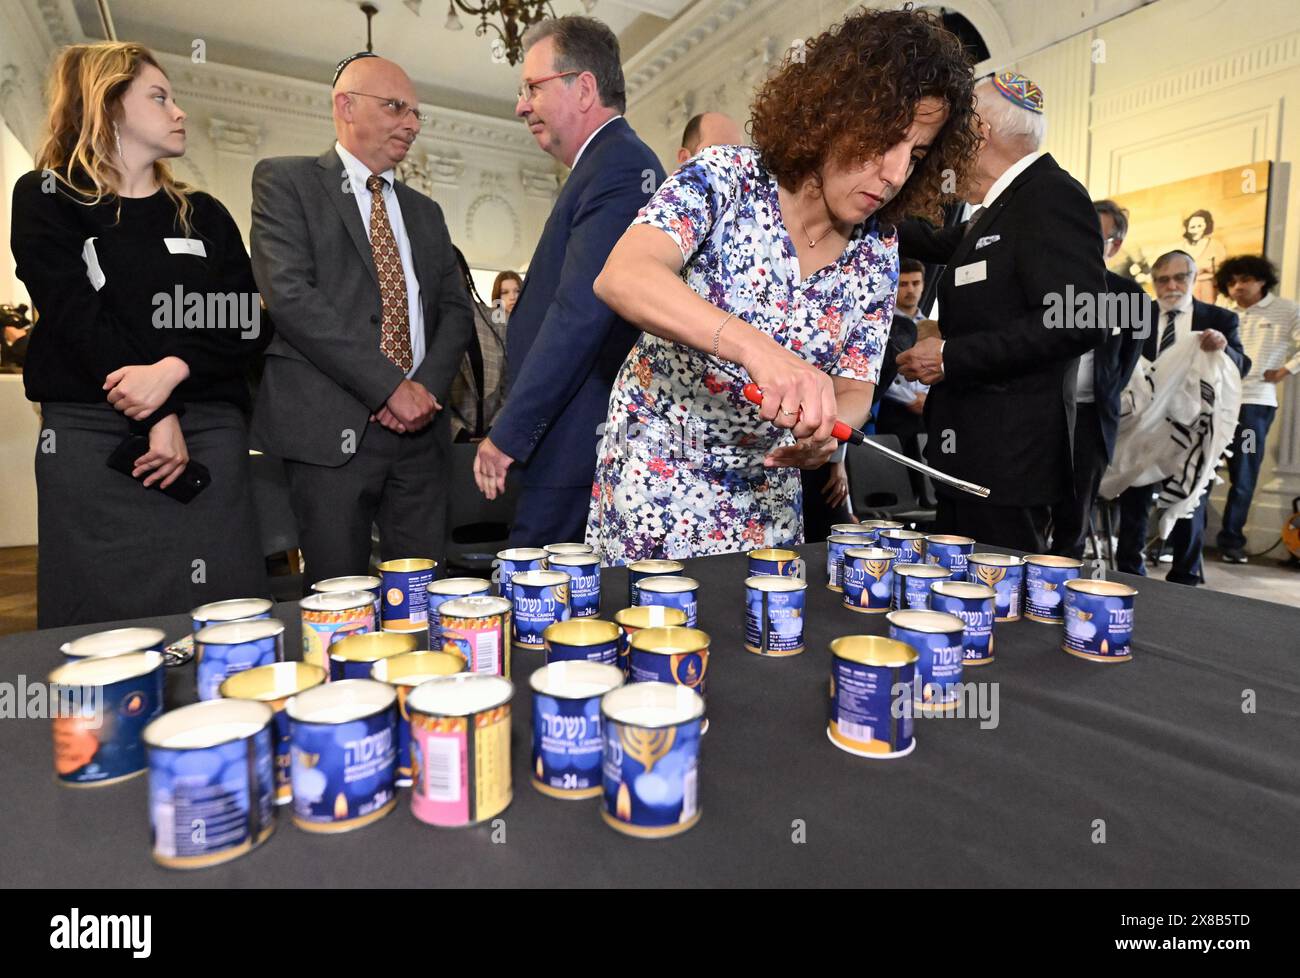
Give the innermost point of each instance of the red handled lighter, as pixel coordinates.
(846, 432)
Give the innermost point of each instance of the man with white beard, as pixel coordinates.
(1174, 276)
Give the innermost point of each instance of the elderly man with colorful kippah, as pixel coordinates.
(1000, 411)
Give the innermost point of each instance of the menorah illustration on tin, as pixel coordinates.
(646, 747)
(990, 575)
(876, 569)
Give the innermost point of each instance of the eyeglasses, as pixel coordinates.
(528, 90)
(397, 107)
(1180, 278)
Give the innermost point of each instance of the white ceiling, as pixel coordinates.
(306, 38)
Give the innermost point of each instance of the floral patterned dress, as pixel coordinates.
(680, 467)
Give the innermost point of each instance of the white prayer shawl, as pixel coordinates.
(1177, 420)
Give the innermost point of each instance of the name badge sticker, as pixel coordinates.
(974, 272)
(186, 246)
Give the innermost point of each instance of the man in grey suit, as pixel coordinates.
(372, 319)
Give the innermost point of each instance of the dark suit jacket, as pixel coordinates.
(1206, 316)
(1119, 353)
(563, 345)
(325, 374)
(1008, 390)
(894, 418)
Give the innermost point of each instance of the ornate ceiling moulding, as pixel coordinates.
(286, 97)
(650, 65)
(229, 136)
(539, 182)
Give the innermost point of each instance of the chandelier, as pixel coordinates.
(516, 17)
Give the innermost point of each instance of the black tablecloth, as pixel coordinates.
(1189, 789)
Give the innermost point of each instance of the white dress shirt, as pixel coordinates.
(1270, 334)
(902, 390)
(1008, 175)
(1083, 392)
(1182, 322)
(591, 137)
(358, 174)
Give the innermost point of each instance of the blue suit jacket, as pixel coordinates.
(1116, 358)
(563, 345)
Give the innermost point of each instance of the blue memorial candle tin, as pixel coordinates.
(235, 609)
(672, 592)
(907, 546)
(404, 591)
(879, 525)
(586, 639)
(449, 589)
(511, 562)
(1005, 574)
(948, 550)
(115, 641)
(223, 650)
(912, 584)
(1045, 577)
(872, 680)
(567, 736)
(343, 738)
(867, 533)
(973, 604)
(836, 544)
(774, 615)
(101, 706)
(777, 560)
(1099, 620)
(541, 598)
(404, 672)
(405, 597)
(584, 581)
(354, 656)
(274, 685)
(211, 782)
(639, 570)
(632, 620)
(938, 640)
(670, 655)
(868, 578)
(566, 550)
(650, 761)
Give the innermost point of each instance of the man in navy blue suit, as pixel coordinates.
(563, 345)
(1103, 374)
(1174, 275)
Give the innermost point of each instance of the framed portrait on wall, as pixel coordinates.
(1210, 217)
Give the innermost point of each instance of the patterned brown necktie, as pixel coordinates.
(395, 333)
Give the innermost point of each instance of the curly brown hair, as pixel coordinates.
(851, 93)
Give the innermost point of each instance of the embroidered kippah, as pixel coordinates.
(1020, 90)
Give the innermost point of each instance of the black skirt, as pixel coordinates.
(110, 549)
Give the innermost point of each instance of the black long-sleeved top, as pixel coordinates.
(84, 333)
